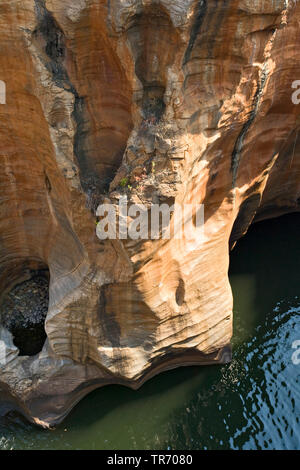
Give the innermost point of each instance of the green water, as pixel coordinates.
(253, 403)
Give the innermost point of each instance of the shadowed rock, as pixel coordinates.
(162, 101)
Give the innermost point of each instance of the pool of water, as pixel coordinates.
(252, 403)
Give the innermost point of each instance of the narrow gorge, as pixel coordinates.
(164, 102)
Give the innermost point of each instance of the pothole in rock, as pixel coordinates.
(23, 312)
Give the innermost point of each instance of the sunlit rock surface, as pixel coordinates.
(185, 101)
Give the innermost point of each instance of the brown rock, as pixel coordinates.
(203, 89)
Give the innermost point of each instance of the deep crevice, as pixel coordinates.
(200, 14)
(156, 38)
(238, 147)
(49, 33)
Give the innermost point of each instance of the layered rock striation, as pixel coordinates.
(182, 101)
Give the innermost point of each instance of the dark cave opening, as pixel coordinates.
(23, 311)
(257, 283)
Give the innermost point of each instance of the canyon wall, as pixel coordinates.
(165, 102)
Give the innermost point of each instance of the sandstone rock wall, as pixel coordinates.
(187, 101)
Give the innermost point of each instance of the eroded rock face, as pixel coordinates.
(187, 101)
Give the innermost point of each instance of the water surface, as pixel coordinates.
(253, 403)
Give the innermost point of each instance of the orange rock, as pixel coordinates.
(202, 90)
